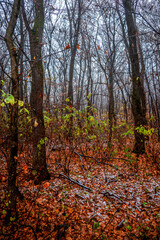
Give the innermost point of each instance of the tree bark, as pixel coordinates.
(35, 36)
(13, 125)
(138, 94)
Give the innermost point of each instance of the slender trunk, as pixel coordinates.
(21, 93)
(111, 106)
(13, 125)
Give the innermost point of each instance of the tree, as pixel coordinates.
(138, 94)
(35, 38)
(74, 27)
(13, 125)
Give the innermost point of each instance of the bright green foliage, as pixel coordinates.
(152, 118)
(20, 103)
(145, 132)
(7, 98)
(89, 96)
(24, 110)
(2, 82)
(47, 118)
(129, 132)
(4, 212)
(42, 141)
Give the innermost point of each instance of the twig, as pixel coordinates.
(85, 156)
(29, 226)
(124, 159)
(120, 225)
(81, 160)
(76, 195)
(112, 180)
(111, 195)
(76, 182)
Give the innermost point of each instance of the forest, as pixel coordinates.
(80, 119)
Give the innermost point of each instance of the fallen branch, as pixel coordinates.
(99, 162)
(111, 195)
(81, 160)
(120, 225)
(124, 159)
(112, 180)
(74, 181)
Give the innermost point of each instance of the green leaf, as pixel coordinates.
(3, 93)
(89, 96)
(67, 100)
(2, 82)
(10, 99)
(129, 132)
(4, 212)
(91, 118)
(20, 103)
(129, 227)
(96, 225)
(2, 104)
(25, 110)
(12, 219)
(91, 137)
(42, 141)
(151, 118)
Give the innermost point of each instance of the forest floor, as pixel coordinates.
(90, 196)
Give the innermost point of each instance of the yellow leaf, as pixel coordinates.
(35, 123)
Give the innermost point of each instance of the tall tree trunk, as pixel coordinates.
(13, 125)
(35, 36)
(21, 93)
(138, 94)
(74, 26)
(111, 105)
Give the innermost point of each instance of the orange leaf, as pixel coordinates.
(70, 210)
(136, 211)
(67, 47)
(25, 168)
(105, 52)
(15, 158)
(46, 185)
(99, 47)
(77, 46)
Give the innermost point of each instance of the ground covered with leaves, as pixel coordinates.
(92, 194)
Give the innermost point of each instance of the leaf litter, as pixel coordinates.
(96, 201)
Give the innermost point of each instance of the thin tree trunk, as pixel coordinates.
(13, 125)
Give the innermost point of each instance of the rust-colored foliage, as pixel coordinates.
(123, 201)
(67, 47)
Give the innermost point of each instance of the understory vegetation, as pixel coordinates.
(96, 191)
